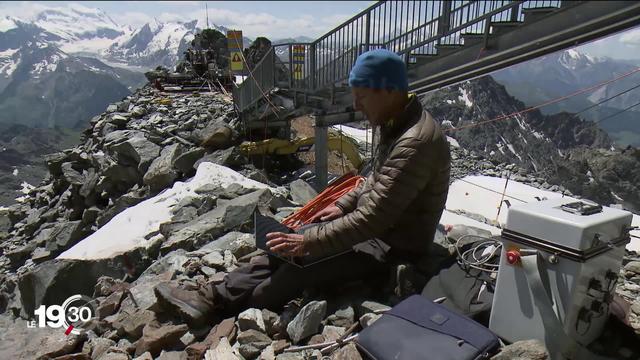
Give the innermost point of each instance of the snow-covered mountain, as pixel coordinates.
(79, 28)
(565, 72)
(153, 44)
(44, 86)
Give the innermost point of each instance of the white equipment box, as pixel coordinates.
(558, 268)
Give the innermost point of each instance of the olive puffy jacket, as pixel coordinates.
(402, 200)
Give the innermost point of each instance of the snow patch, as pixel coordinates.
(465, 97)
(127, 230)
(7, 24)
(26, 188)
(482, 194)
(357, 134)
(15, 172)
(538, 135)
(8, 52)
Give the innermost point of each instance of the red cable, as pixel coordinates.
(326, 198)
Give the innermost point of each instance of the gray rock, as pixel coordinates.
(136, 150)
(161, 271)
(54, 162)
(119, 120)
(633, 267)
(65, 235)
(332, 333)
(71, 175)
(214, 259)
(123, 202)
(231, 157)
(238, 243)
(343, 317)
(100, 346)
(291, 356)
(270, 321)
(523, 350)
(184, 162)
(49, 283)
(222, 352)
(187, 339)
(254, 337)
(208, 272)
(249, 351)
(308, 321)
(171, 355)
(138, 111)
(369, 318)
(217, 221)
(302, 192)
(251, 319)
(348, 352)
(370, 307)
(161, 173)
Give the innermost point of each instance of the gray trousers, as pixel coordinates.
(268, 282)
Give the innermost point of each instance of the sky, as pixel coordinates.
(273, 19)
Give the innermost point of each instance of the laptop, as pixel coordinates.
(265, 224)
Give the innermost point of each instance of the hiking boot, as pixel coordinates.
(194, 306)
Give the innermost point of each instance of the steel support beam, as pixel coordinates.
(321, 155)
(565, 28)
(322, 124)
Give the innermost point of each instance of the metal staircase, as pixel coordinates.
(442, 43)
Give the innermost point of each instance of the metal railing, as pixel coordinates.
(260, 81)
(410, 28)
(406, 27)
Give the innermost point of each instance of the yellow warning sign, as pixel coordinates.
(297, 72)
(236, 61)
(234, 40)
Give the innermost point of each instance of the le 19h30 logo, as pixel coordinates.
(71, 315)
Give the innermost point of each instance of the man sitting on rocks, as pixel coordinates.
(390, 218)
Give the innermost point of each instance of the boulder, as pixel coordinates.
(222, 351)
(156, 337)
(214, 223)
(161, 173)
(134, 150)
(185, 161)
(348, 352)
(308, 321)
(240, 244)
(302, 192)
(523, 350)
(251, 319)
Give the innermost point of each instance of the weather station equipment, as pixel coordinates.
(558, 270)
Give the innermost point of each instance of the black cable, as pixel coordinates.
(618, 113)
(607, 99)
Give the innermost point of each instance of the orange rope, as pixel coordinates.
(328, 197)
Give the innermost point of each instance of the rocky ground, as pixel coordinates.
(147, 147)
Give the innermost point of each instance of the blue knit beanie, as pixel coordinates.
(379, 69)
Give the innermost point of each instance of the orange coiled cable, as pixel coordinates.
(326, 198)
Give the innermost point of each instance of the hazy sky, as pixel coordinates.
(274, 19)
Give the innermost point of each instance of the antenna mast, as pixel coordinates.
(207, 12)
